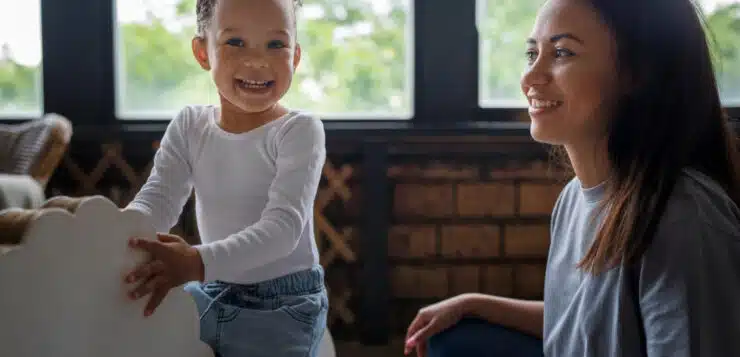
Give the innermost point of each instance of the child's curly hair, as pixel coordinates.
(204, 13)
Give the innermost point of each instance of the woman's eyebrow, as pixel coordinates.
(556, 38)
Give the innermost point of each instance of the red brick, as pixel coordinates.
(498, 280)
(419, 282)
(530, 281)
(423, 200)
(412, 241)
(532, 240)
(538, 198)
(538, 169)
(434, 170)
(485, 199)
(470, 241)
(464, 279)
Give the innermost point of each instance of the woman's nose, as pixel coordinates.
(535, 74)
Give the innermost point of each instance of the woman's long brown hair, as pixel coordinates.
(670, 120)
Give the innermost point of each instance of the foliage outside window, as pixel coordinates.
(20, 58)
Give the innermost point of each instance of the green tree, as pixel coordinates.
(503, 28)
(156, 63)
(18, 85)
(724, 34)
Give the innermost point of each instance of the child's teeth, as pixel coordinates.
(253, 84)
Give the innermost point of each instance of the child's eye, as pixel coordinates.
(236, 42)
(276, 44)
(531, 55)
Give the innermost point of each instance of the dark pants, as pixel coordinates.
(477, 338)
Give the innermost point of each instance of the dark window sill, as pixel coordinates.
(352, 130)
(488, 123)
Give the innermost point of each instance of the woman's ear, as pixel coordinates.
(200, 52)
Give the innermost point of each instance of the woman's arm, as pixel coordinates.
(521, 315)
(688, 284)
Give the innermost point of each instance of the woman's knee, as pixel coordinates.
(466, 338)
(478, 338)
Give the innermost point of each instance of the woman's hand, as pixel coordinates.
(434, 319)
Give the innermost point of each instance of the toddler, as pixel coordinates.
(255, 167)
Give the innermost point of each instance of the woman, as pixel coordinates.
(645, 240)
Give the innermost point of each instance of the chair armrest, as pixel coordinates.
(54, 149)
(20, 191)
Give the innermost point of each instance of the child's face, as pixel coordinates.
(569, 81)
(251, 50)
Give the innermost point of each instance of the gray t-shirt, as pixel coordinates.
(689, 280)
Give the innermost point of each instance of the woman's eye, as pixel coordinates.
(531, 55)
(562, 52)
(276, 44)
(235, 42)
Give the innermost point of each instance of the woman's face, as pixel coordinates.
(570, 78)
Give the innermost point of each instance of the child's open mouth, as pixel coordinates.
(254, 86)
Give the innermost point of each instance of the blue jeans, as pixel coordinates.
(478, 338)
(283, 317)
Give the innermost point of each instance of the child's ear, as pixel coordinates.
(200, 51)
(296, 56)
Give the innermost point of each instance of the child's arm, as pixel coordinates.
(301, 154)
(168, 187)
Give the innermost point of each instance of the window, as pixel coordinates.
(20, 58)
(503, 26)
(723, 18)
(356, 59)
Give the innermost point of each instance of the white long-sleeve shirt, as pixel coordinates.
(254, 191)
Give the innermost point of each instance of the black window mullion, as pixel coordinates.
(446, 68)
(78, 73)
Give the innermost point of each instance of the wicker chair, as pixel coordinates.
(29, 154)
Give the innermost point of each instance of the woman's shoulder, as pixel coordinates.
(700, 223)
(700, 201)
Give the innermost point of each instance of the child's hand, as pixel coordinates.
(172, 263)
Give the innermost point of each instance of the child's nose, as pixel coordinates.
(252, 61)
(255, 64)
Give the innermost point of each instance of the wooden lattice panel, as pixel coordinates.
(338, 246)
(88, 183)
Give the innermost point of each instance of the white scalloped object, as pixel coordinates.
(62, 292)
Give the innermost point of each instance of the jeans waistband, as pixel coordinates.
(307, 281)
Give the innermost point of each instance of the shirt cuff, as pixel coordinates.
(207, 255)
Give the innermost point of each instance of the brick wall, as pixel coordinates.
(479, 227)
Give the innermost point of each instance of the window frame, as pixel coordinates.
(78, 42)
